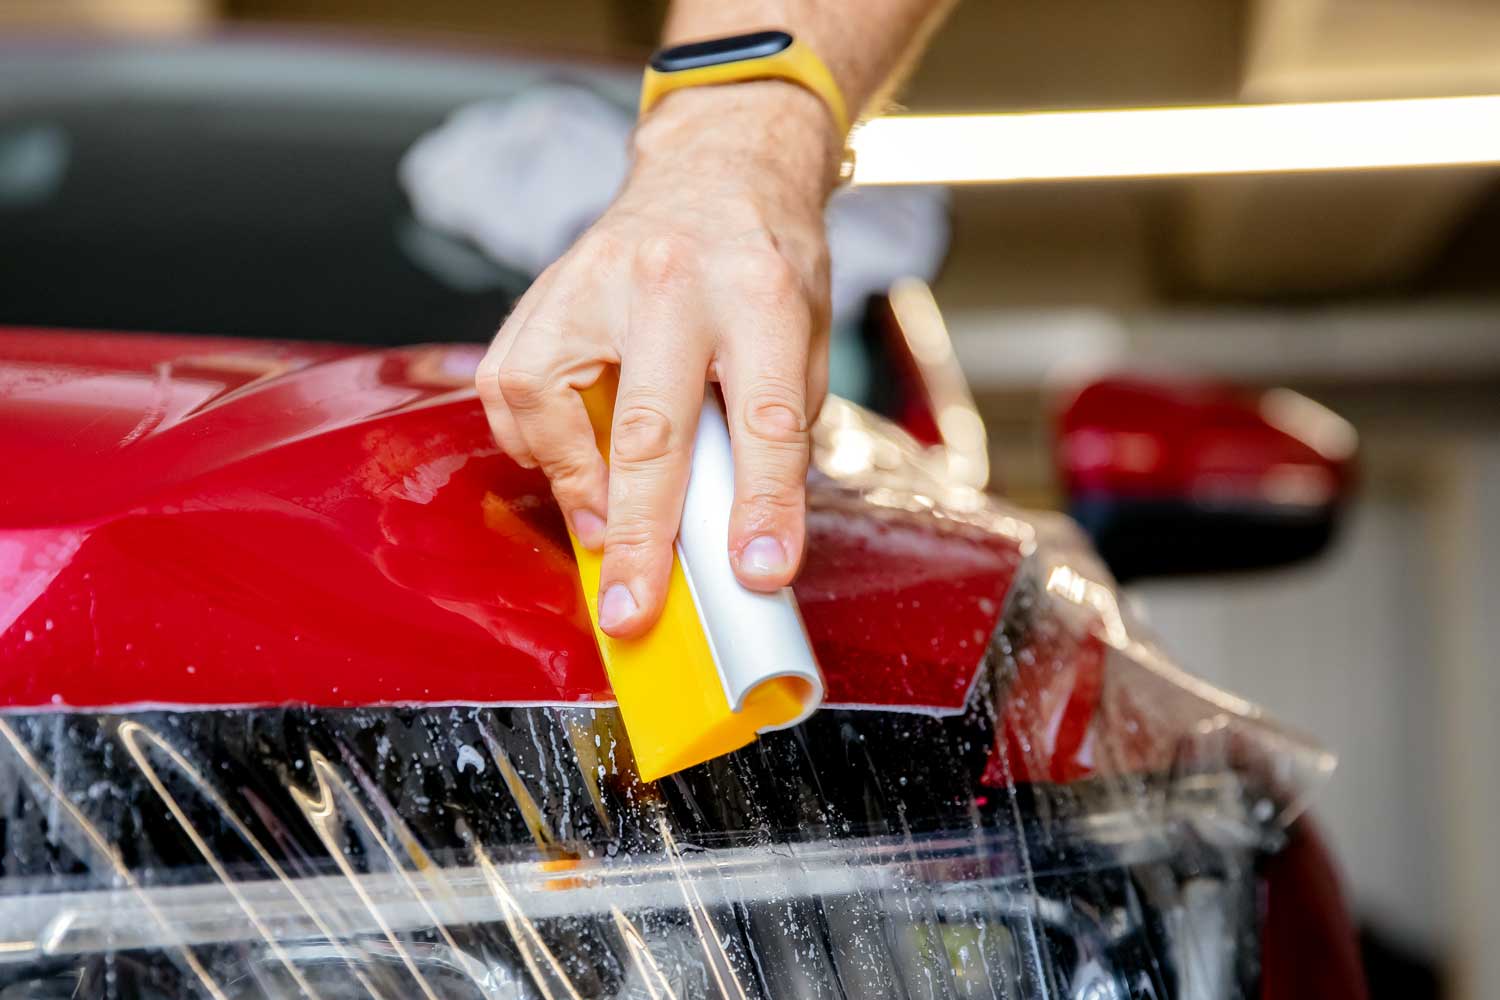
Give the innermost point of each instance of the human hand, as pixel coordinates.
(711, 263)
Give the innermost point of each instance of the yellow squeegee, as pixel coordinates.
(723, 663)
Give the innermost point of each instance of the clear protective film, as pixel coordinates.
(1085, 822)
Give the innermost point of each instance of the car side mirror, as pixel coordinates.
(1183, 477)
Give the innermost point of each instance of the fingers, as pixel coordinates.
(487, 379)
(502, 424)
(662, 380)
(765, 375)
(817, 376)
(675, 309)
(539, 382)
(528, 382)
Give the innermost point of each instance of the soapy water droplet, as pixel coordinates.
(469, 757)
(29, 635)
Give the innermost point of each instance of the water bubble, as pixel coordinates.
(469, 757)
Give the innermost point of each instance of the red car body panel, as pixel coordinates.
(205, 522)
(1156, 438)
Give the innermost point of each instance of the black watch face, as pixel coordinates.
(717, 51)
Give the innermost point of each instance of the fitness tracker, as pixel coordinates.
(759, 55)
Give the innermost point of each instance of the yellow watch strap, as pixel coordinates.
(797, 63)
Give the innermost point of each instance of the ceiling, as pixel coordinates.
(1123, 245)
(1249, 238)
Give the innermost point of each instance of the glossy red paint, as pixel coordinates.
(202, 522)
(1061, 701)
(1309, 950)
(1139, 438)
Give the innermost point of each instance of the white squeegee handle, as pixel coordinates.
(754, 637)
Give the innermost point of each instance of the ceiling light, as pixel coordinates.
(1153, 142)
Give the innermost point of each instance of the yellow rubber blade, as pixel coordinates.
(668, 687)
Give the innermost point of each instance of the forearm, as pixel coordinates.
(867, 44)
(771, 126)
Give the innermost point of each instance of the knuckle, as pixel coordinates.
(775, 413)
(521, 388)
(642, 433)
(774, 496)
(631, 539)
(769, 275)
(600, 247)
(663, 259)
(487, 384)
(569, 473)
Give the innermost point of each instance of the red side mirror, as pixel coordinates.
(1174, 477)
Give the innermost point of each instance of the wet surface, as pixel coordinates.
(352, 853)
(1015, 793)
(207, 523)
(1054, 839)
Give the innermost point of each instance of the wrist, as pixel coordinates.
(769, 128)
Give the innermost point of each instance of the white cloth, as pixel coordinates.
(522, 178)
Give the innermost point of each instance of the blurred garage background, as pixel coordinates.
(1377, 293)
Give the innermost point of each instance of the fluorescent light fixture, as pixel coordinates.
(1159, 142)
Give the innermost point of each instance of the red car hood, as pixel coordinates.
(201, 523)
(222, 522)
